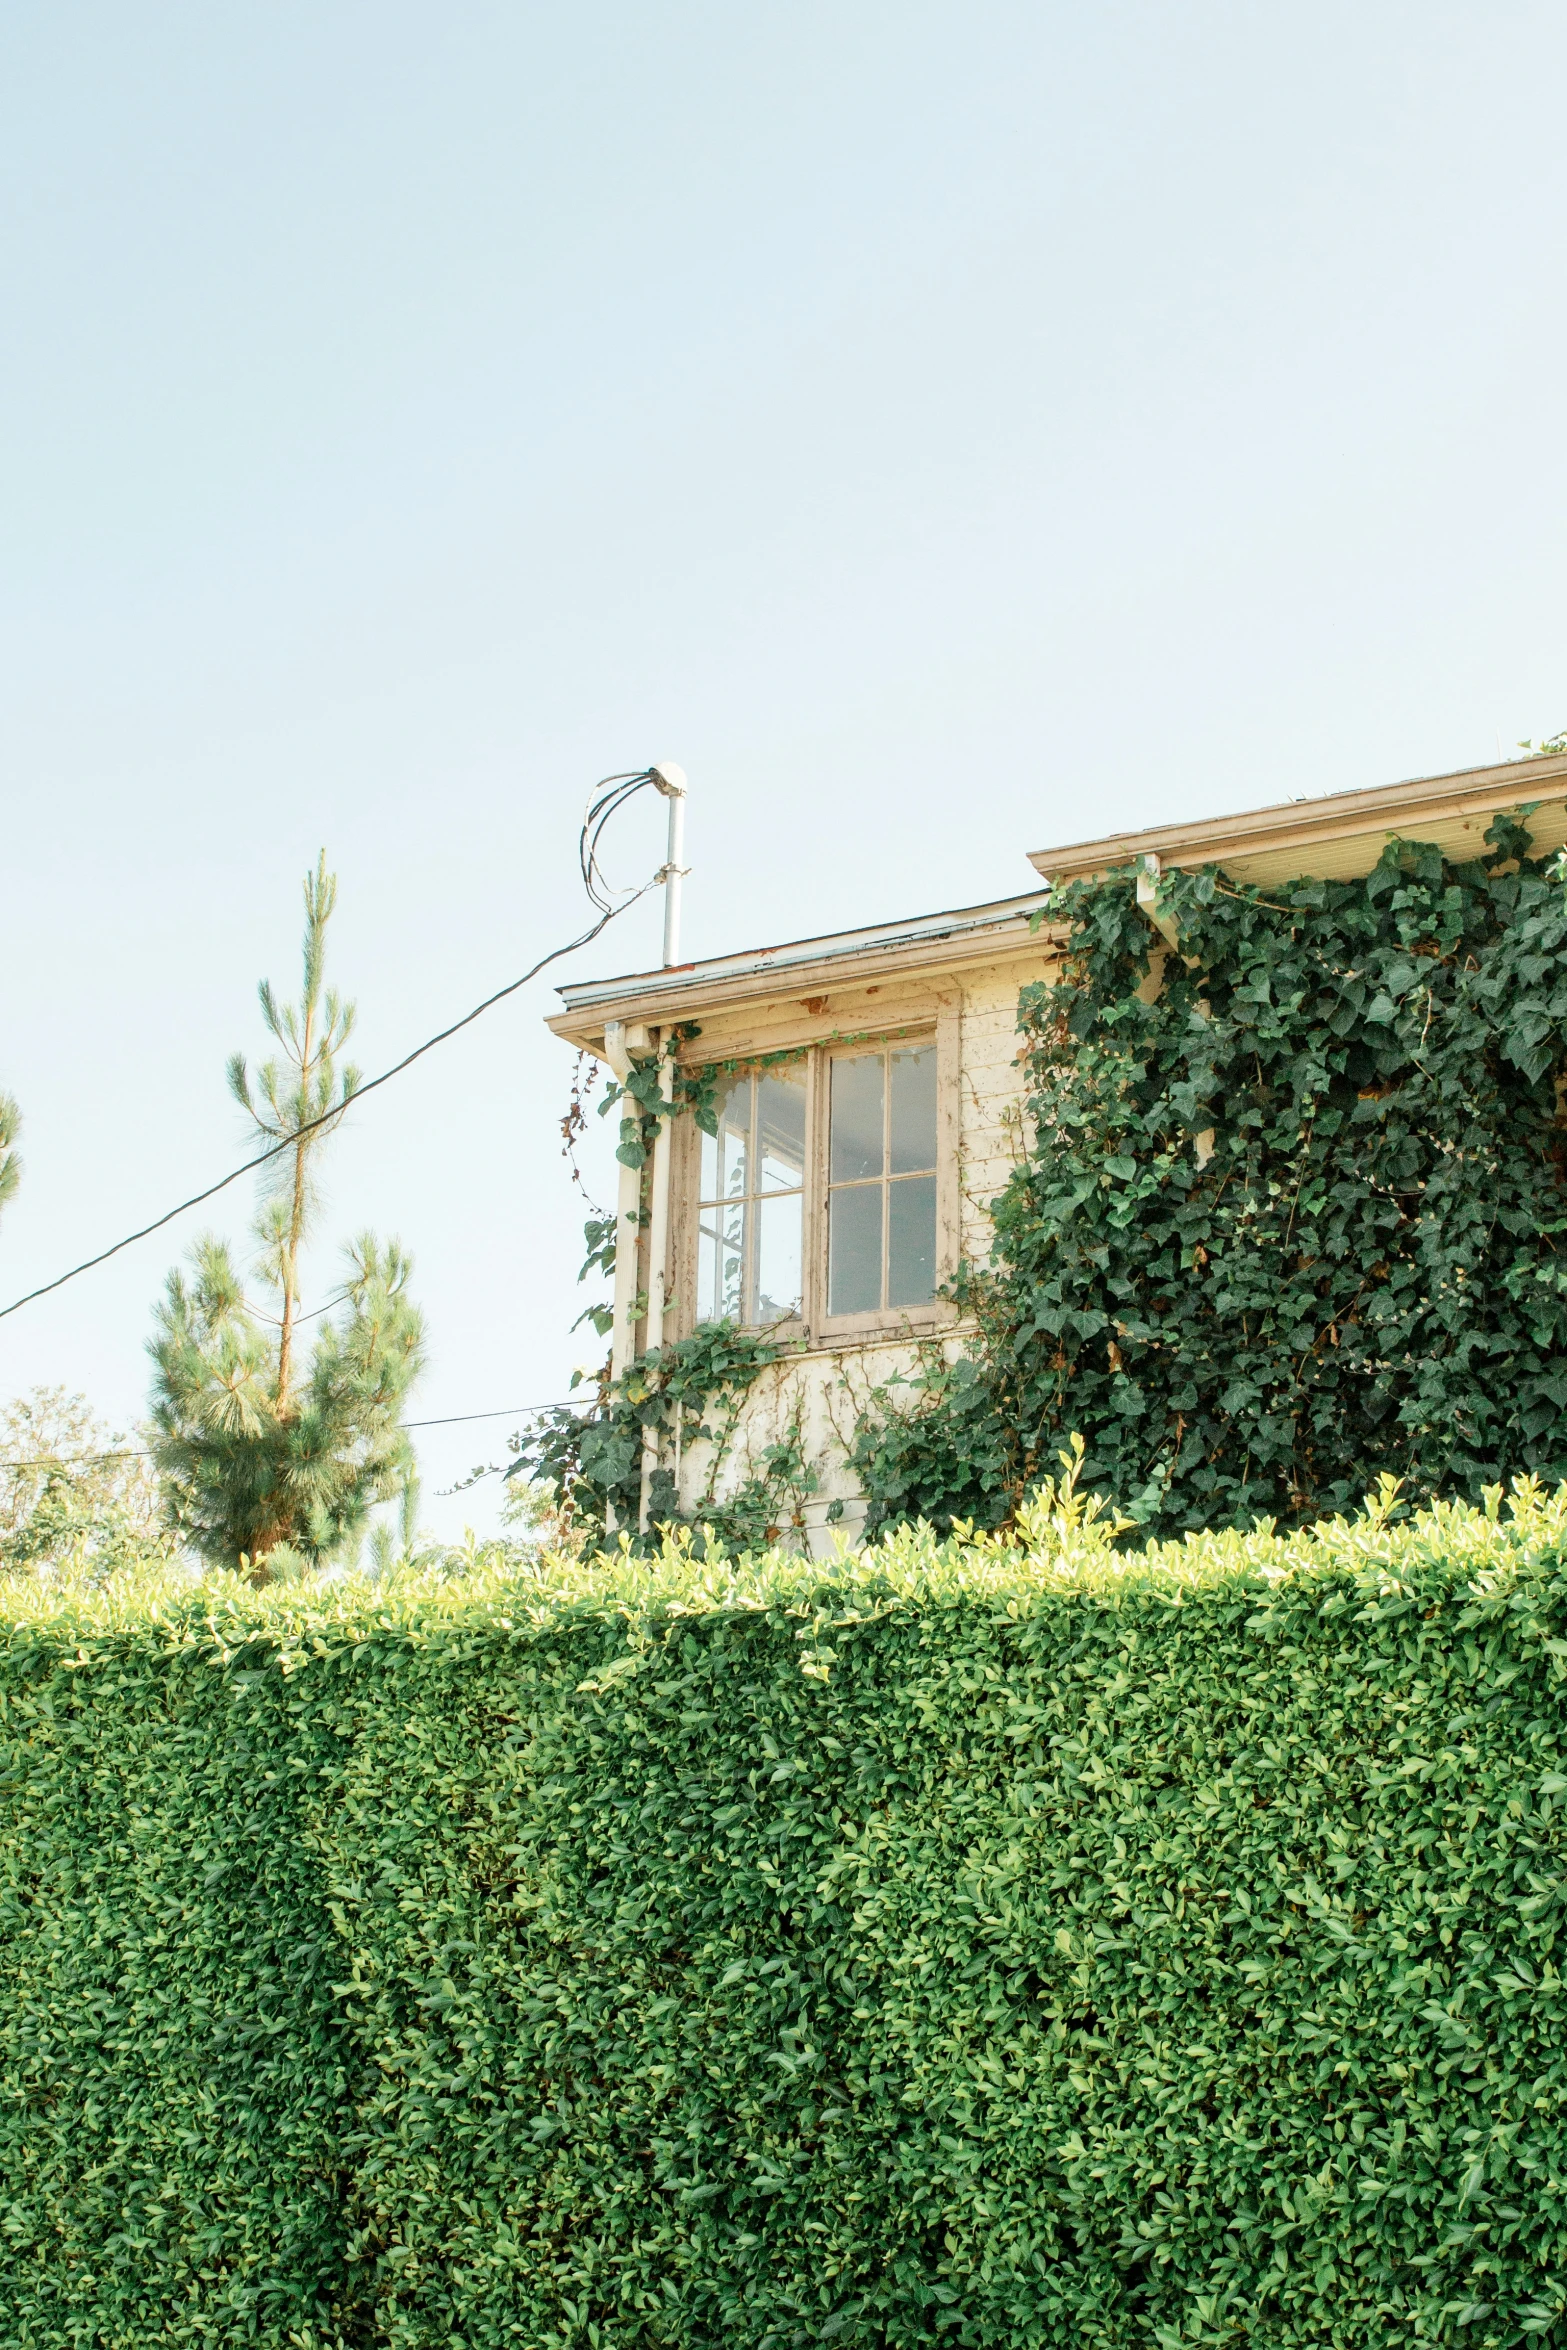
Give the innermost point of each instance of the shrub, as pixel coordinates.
(959, 1943)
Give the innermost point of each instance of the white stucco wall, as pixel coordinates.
(991, 1113)
(819, 1393)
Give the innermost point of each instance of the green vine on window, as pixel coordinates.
(643, 1088)
(697, 1087)
(699, 1084)
(594, 1461)
(1297, 1221)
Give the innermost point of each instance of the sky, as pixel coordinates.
(945, 431)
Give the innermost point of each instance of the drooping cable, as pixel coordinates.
(606, 804)
(88, 1460)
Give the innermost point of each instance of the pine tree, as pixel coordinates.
(10, 1164)
(295, 1093)
(265, 1466)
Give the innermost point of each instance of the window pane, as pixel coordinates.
(778, 1255)
(717, 1278)
(725, 1162)
(913, 1118)
(854, 1248)
(856, 1127)
(911, 1241)
(780, 1128)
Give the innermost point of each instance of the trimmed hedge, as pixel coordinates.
(172, 2062)
(962, 1945)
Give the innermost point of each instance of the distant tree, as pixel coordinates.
(10, 1164)
(265, 1465)
(69, 1485)
(399, 1545)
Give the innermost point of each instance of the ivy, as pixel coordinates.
(929, 1446)
(692, 1390)
(1293, 1213)
(696, 1089)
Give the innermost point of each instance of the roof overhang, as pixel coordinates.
(927, 947)
(1341, 835)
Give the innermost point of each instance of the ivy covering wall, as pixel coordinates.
(989, 1944)
(1292, 1213)
(688, 1392)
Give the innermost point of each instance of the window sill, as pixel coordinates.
(796, 1344)
(858, 1329)
(880, 1328)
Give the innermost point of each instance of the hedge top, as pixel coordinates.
(1063, 1549)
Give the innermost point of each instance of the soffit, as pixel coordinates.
(1341, 835)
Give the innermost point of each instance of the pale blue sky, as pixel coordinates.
(943, 430)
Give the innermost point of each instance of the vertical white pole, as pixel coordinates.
(658, 1205)
(628, 1213)
(671, 782)
(677, 829)
(658, 1250)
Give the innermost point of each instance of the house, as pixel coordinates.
(870, 1104)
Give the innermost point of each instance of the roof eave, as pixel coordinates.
(1290, 833)
(794, 971)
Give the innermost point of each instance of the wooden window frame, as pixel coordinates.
(936, 1019)
(789, 1325)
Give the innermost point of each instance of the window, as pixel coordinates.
(881, 1180)
(750, 1217)
(819, 1199)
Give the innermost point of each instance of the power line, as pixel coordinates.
(74, 1460)
(517, 1412)
(520, 1411)
(327, 1118)
(607, 804)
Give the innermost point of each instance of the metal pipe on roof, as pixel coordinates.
(671, 781)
